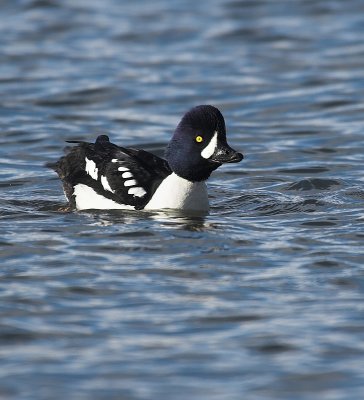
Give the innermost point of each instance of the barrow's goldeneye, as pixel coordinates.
(102, 175)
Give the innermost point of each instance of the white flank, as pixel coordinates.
(87, 198)
(126, 175)
(130, 182)
(114, 160)
(91, 168)
(123, 169)
(178, 193)
(137, 191)
(209, 150)
(105, 184)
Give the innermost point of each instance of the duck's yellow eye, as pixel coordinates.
(199, 139)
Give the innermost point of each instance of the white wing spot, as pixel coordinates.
(91, 168)
(105, 184)
(126, 175)
(130, 182)
(209, 150)
(114, 160)
(137, 191)
(122, 169)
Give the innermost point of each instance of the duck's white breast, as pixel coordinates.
(178, 193)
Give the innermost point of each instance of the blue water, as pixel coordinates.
(261, 299)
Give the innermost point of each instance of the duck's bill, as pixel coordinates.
(225, 154)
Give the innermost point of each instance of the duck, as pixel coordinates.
(105, 176)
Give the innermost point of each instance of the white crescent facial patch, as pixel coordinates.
(209, 150)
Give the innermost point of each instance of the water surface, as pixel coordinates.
(262, 298)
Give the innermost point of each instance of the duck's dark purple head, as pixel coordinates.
(199, 144)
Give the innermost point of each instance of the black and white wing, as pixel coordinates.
(125, 176)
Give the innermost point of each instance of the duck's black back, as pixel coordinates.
(112, 171)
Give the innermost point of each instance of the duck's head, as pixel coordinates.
(199, 146)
